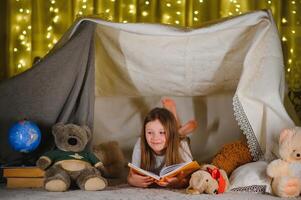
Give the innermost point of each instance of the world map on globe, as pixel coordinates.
(24, 136)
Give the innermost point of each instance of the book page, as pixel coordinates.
(143, 172)
(186, 168)
(170, 168)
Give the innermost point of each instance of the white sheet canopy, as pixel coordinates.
(225, 74)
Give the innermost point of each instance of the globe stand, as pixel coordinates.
(27, 159)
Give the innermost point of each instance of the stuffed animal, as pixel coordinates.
(286, 171)
(232, 155)
(209, 179)
(70, 162)
(184, 129)
(112, 158)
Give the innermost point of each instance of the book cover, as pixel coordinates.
(24, 182)
(23, 172)
(185, 169)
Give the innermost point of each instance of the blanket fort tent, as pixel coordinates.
(108, 75)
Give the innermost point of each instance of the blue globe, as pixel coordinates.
(24, 136)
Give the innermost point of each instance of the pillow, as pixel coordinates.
(251, 177)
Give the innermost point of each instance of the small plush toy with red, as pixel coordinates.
(209, 179)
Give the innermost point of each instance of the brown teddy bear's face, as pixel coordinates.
(71, 137)
(290, 144)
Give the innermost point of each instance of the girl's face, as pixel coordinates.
(155, 136)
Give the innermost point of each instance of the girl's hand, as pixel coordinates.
(139, 180)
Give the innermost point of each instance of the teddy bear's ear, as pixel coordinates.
(285, 134)
(88, 131)
(57, 128)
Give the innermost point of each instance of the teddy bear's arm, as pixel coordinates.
(43, 162)
(277, 168)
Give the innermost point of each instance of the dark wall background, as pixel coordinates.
(3, 38)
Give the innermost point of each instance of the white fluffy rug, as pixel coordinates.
(124, 192)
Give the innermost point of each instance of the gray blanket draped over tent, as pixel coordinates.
(97, 61)
(60, 88)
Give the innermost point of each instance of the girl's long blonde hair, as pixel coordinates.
(169, 123)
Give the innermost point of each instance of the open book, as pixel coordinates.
(185, 169)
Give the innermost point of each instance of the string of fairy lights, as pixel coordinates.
(176, 12)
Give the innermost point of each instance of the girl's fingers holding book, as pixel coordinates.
(171, 179)
(162, 183)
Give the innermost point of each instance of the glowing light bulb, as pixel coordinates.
(147, 2)
(48, 35)
(53, 2)
(56, 19)
(84, 6)
(168, 4)
(177, 22)
(107, 10)
(195, 19)
(22, 62)
(288, 69)
(196, 12)
(29, 27)
(15, 49)
(144, 13)
(293, 31)
(56, 10)
(292, 50)
(293, 2)
(284, 39)
(290, 61)
(179, 2)
(294, 12)
(201, 1)
(166, 16)
(49, 28)
(125, 21)
(80, 12)
(21, 37)
(178, 13)
(283, 20)
(269, 2)
(84, 1)
(21, 10)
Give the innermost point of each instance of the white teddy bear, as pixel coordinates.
(286, 171)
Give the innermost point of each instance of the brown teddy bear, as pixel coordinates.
(286, 171)
(209, 179)
(70, 161)
(232, 155)
(112, 157)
